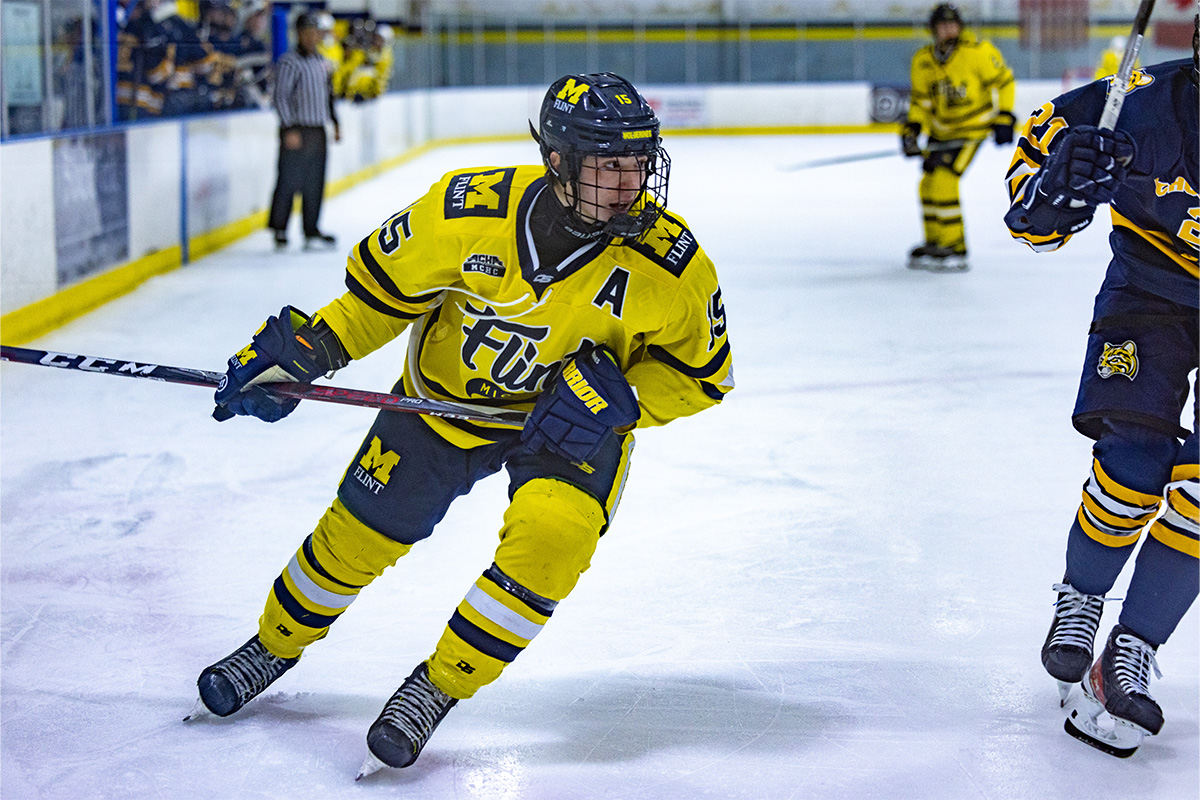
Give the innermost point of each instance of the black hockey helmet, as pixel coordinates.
(945, 12)
(602, 114)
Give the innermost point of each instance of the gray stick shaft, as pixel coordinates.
(934, 147)
(1120, 82)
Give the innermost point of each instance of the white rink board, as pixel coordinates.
(834, 585)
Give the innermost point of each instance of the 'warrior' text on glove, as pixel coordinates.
(577, 414)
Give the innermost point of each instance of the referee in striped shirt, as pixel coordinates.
(304, 100)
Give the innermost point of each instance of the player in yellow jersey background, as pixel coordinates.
(564, 289)
(962, 92)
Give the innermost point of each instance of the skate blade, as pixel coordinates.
(1088, 722)
(199, 711)
(370, 766)
(1064, 693)
(952, 264)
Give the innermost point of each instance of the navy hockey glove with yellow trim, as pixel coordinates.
(286, 348)
(1002, 127)
(577, 414)
(1085, 168)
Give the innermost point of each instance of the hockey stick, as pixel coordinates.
(300, 391)
(1120, 82)
(936, 147)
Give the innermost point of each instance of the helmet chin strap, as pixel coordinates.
(566, 215)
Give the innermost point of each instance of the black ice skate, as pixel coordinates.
(919, 257)
(1116, 711)
(238, 678)
(406, 723)
(319, 241)
(1067, 651)
(937, 258)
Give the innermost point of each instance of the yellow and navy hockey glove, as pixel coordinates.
(286, 348)
(588, 399)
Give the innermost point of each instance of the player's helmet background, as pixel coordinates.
(603, 114)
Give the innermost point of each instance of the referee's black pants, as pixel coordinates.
(300, 171)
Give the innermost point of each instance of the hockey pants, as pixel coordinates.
(1136, 380)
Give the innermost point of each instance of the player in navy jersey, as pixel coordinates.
(1133, 396)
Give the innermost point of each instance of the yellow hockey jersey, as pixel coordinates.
(959, 99)
(491, 325)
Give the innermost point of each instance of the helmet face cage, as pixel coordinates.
(607, 139)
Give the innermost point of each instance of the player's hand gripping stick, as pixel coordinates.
(1085, 167)
(588, 399)
(278, 352)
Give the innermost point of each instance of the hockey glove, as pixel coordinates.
(1085, 168)
(577, 414)
(285, 348)
(908, 139)
(1002, 127)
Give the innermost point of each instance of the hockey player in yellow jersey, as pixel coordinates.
(962, 91)
(558, 289)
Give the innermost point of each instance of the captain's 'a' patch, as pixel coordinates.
(479, 194)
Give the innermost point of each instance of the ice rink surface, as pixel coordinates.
(833, 585)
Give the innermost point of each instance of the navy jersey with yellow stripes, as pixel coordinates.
(490, 323)
(1155, 212)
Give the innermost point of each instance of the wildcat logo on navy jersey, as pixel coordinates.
(1118, 359)
(1136, 81)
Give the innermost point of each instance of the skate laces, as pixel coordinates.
(416, 708)
(252, 668)
(1077, 617)
(1133, 658)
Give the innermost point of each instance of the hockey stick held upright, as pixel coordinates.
(1121, 81)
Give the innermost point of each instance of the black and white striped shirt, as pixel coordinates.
(303, 91)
